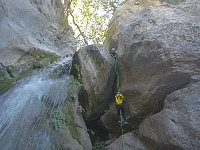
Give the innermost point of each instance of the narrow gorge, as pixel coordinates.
(56, 96)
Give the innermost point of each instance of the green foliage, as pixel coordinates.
(71, 108)
(75, 133)
(90, 131)
(67, 30)
(98, 146)
(81, 109)
(71, 124)
(15, 73)
(75, 85)
(54, 57)
(38, 55)
(172, 1)
(78, 83)
(36, 65)
(7, 81)
(57, 118)
(70, 98)
(92, 17)
(42, 58)
(78, 68)
(4, 84)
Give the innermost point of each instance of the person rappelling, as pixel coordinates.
(120, 103)
(119, 97)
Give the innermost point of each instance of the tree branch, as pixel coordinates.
(70, 12)
(79, 29)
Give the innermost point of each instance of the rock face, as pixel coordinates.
(159, 53)
(94, 67)
(37, 24)
(177, 125)
(128, 141)
(33, 34)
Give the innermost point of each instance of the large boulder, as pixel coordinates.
(128, 141)
(110, 121)
(93, 67)
(177, 126)
(158, 50)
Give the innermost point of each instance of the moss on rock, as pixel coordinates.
(6, 80)
(32, 60)
(42, 58)
(75, 133)
(6, 83)
(57, 118)
(175, 2)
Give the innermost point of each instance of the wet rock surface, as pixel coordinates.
(33, 35)
(37, 114)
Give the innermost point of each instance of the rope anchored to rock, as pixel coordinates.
(118, 88)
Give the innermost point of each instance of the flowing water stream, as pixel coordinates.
(23, 109)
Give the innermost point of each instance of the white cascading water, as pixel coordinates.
(23, 107)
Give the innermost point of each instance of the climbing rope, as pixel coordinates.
(118, 87)
(122, 130)
(117, 74)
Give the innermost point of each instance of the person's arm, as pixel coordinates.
(115, 99)
(123, 100)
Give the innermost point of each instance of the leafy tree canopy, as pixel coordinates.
(90, 18)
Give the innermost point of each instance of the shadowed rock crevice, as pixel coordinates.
(83, 100)
(100, 133)
(177, 80)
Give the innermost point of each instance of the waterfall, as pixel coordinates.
(23, 109)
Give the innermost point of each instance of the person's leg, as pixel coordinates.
(123, 113)
(118, 112)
